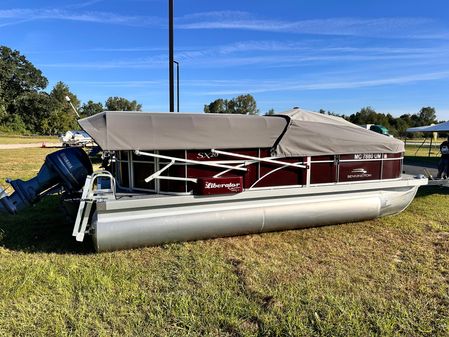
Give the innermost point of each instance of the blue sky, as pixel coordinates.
(335, 55)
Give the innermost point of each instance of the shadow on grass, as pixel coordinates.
(411, 160)
(43, 228)
(425, 191)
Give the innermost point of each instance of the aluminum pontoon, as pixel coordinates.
(178, 176)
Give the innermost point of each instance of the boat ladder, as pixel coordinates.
(99, 186)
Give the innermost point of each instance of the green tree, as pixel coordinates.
(122, 104)
(19, 81)
(34, 109)
(366, 115)
(59, 93)
(91, 108)
(400, 126)
(243, 104)
(18, 75)
(62, 117)
(427, 116)
(270, 112)
(14, 123)
(24, 107)
(3, 113)
(219, 106)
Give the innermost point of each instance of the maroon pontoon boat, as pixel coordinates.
(192, 176)
(179, 176)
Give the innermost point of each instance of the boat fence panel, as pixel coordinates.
(267, 160)
(176, 172)
(190, 161)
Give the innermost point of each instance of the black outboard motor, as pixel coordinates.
(68, 168)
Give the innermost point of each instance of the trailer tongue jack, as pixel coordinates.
(66, 168)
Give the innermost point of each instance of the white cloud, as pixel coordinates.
(155, 62)
(399, 27)
(84, 4)
(14, 16)
(395, 27)
(267, 54)
(121, 84)
(255, 87)
(232, 87)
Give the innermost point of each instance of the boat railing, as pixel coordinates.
(239, 165)
(189, 161)
(263, 160)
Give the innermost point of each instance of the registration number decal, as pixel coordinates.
(359, 156)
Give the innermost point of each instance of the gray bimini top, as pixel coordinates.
(315, 134)
(293, 133)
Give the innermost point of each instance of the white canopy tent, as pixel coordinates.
(441, 127)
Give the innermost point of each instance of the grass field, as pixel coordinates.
(27, 140)
(386, 277)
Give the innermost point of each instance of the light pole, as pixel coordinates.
(177, 85)
(171, 56)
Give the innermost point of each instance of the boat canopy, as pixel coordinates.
(290, 134)
(124, 130)
(315, 134)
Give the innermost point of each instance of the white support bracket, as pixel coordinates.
(308, 171)
(158, 173)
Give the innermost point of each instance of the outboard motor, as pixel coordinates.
(67, 168)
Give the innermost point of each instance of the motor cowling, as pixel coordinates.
(67, 168)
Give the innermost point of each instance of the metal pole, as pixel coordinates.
(67, 98)
(171, 56)
(430, 147)
(177, 85)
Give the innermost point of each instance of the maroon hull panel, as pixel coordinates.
(358, 171)
(322, 173)
(134, 169)
(282, 177)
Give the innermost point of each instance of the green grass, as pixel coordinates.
(415, 154)
(415, 150)
(22, 163)
(27, 140)
(386, 277)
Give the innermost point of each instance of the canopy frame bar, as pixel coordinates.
(266, 160)
(189, 161)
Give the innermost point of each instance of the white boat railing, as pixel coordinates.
(247, 160)
(189, 161)
(263, 160)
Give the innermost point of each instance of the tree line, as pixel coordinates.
(27, 108)
(246, 104)
(396, 125)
